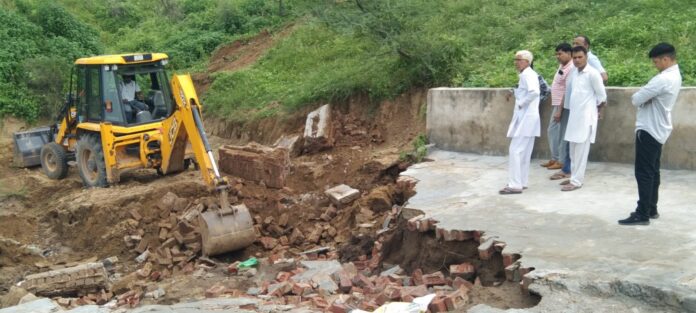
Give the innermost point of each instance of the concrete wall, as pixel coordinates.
(476, 120)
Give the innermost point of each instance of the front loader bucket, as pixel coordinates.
(27, 146)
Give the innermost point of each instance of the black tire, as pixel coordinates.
(90, 161)
(54, 161)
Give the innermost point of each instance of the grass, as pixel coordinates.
(339, 47)
(389, 46)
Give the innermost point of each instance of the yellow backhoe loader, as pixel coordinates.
(123, 113)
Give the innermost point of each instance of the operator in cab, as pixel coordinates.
(130, 93)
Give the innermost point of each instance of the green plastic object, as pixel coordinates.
(251, 262)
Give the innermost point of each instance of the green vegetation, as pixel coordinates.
(41, 38)
(419, 150)
(337, 48)
(383, 47)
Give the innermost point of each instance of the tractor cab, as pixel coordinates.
(123, 90)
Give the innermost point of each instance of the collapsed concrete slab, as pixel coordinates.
(257, 163)
(319, 132)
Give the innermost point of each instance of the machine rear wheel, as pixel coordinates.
(90, 161)
(54, 161)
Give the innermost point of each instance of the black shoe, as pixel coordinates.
(634, 219)
(655, 216)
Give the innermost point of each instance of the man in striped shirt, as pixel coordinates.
(559, 116)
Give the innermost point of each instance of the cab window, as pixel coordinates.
(94, 106)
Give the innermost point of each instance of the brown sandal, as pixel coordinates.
(509, 191)
(565, 182)
(570, 187)
(559, 175)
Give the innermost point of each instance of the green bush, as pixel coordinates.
(39, 44)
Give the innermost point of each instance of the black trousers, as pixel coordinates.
(647, 170)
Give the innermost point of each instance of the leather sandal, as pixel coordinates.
(559, 175)
(570, 187)
(509, 191)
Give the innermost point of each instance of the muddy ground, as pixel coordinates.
(47, 224)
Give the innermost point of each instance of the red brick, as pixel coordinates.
(499, 246)
(361, 281)
(460, 235)
(136, 215)
(413, 291)
(369, 306)
(381, 299)
(258, 219)
(439, 233)
(215, 291)
(294, 300)
(460, 283)
(283, 276)
(232, 268)
(486, 249)
(268, 243)
(434, 279)
(344, 282)
(438, 305)
(464, 270)
(319, 302)
(525, 270)
(283, 220)
(524, 284)
(280, 289)
(417, 277)
(392, 292)
(339, 308)
(456, 300)
(509, 258)
(512, 272)
(301, 289)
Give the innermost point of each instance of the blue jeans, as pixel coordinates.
(566, 162)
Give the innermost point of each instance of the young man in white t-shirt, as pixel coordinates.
(130, 92)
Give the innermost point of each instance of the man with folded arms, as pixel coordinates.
(654, 102)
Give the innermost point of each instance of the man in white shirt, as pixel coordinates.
(587, 93)
(130, 92)
(525, 124)
(654, 102)
(593, 60)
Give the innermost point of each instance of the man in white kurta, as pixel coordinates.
(525, 124)
(587, 94)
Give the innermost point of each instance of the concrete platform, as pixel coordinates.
(574, 237)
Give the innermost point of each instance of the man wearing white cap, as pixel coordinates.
(525, 124)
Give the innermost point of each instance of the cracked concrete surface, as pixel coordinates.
(582, 256)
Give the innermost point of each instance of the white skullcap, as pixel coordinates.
(525, 54)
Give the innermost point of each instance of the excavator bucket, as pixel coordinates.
(28, 144)
(227, 229)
